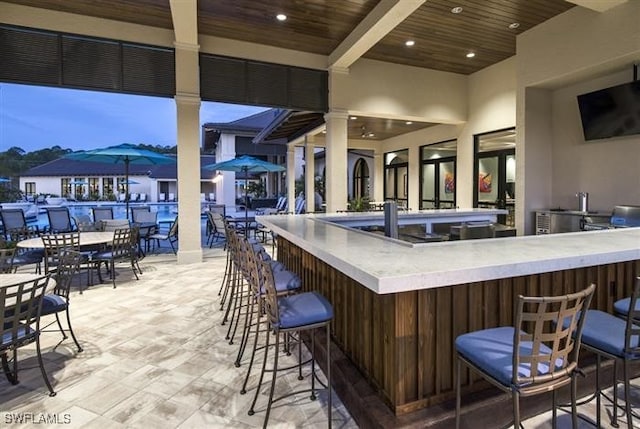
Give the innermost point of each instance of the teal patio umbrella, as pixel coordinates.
(245, 164)
(123, 153)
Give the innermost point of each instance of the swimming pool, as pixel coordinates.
(167, 212)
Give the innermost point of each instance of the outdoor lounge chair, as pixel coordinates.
(14, 219)
(172, 197)
(162, 197)
(101, 213)
(142, 198)
(60, 220)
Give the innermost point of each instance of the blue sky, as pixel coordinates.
(37, 117)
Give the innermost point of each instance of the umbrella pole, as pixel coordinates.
(126, 186)
(246, 202)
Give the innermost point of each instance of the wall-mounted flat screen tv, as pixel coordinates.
(611, 112)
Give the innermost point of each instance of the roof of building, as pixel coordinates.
(64, 167)
(254, 123)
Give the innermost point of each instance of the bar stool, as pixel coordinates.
(535, 356)
(614, 338)
(286, 282)
(288, 315)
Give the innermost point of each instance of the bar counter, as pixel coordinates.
(399, 306)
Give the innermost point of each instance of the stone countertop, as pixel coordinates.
(386, 266)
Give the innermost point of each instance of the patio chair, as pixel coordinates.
(111, 225)
(133, 197)
(6, 260)
(14, 219)
(122, 198)
(171, 236)
(121, 249)
(60, 220)
(218, 208)
(20, 324)
(84, 223)
(162, 197)
(22, 257)
(212, 196)
(617, 339)
(57, 302)
(216, 220)
(172, 197)
(101, 213)
(56, 244)
(534, 356)
(203, 199)
(142, 198)
(147, 222)
(139, 209)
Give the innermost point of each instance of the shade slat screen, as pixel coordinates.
(258, 83)
(71, 61)
(267, 84)
(148, 70)
(89, 63)
(308, 88)
(29, 56)
(223, 79)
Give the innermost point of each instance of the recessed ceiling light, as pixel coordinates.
(281, 17)
(514, 25)
(353, 118)
(408, 122)
(410, 42)
(471, 54)
(371, 135)
(457, 9)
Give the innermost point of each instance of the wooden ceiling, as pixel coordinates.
(442, 38)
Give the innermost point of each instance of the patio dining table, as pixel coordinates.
(87, 238)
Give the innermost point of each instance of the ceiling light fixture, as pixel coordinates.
(514, 25)
(410, 42)
(457, 9)
(366, 133)
(408, 122)
(353, 118)
(471, 54)
(281, 17)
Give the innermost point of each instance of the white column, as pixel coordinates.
(190, 247)
(378, 175)
(291, 178)
(188, 117)
(336, 156)
(226, 188)
(310, 173)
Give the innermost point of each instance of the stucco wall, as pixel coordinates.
(577, 51)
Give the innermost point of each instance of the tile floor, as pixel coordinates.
(155, 356)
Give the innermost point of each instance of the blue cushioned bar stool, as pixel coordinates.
(286, 282)
(614, 338)
(536, 356)
(288, 315)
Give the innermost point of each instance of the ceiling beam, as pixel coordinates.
(377, 24)
(598, 5)
(184, 14)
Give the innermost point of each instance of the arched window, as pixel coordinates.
(361, 179)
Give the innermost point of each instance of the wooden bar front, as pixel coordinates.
(403, 342)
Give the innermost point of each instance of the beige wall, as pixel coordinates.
(556, 60)
(609, 169)
(375, 88)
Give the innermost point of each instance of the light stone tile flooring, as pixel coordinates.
(155, 356)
